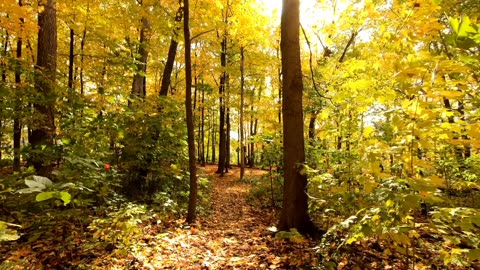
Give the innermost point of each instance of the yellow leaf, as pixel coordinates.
(324, 115)
(390, 203)
(368, 131)
(436, 180)
(451, 94)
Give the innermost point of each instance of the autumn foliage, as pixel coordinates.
(97, 162)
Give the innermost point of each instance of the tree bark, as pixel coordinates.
(242, 104)
(71, 58)
(311, 127)
(227, 141)
(139, 85)
(192, 201)
(222, 123)
(202, 130)
(294, 212)
(17, 126)
(43, 131)
(214, 137)
(82, 57)
(172, 52)
(3, 65)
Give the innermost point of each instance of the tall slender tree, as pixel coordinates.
(17, 125)
(222, 124)
(4, 81)
(43, 131)
(294, 212)
(242, 104)
(192, 201)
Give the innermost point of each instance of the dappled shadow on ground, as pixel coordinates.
(231, 237)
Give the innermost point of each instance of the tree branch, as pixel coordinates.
(311, 64)
(350, 42)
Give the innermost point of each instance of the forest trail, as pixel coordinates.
(230, 237)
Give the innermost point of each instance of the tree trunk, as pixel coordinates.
(3, 65)
(192, 201)
(167, 71)
(17, 126)
(294, 212)
(311, 127)
(222, 124)
(139, 85)
(242, 104)
(214, 138)
(43, 131)
(202, 129)
(82, 57)
(172, 52)
(71, 58)
(280, 85)
(227, 142)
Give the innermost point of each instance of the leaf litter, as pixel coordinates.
(232, 236)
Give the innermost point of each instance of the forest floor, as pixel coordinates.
(233, 234)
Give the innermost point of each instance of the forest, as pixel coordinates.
(239, 134)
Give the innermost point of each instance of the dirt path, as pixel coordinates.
(229, 238)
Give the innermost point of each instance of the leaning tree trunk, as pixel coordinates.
(294, 212)
(43, 131)
(172, 52)
(192, 201)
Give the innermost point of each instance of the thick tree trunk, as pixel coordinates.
(192, 201)
(294, 212)
(43, 131)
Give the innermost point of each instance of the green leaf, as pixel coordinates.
(38, 182)
(65, 197)
(42, 196)
(454, 23)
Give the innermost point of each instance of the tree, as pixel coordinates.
(192, 201)
(139, 85)
(17, 125)
(42, 135)
(294, 212)
(172, 52)
(242, 104)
